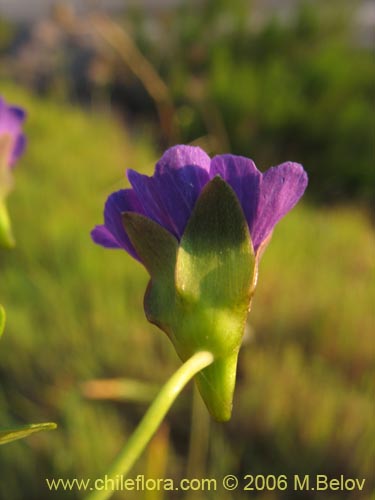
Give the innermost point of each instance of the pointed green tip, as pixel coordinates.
(216, 385)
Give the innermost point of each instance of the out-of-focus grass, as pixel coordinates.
(75, 312)
(309, 365)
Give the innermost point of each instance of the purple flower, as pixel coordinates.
(11, 121)
(169, 196)
(199, 227)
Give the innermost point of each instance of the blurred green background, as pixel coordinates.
(107, 91)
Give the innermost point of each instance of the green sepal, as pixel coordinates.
(200, 290)
(214, 279)
(157, 249)
(155, 246)
(216, 384)
(2, 320)
(20, 432)
(215, 262)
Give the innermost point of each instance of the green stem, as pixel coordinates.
(6, 236)
(199, 438)
(154, 416)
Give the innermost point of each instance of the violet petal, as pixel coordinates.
(170, 195)
(181, 156)
(280, 189)
(103, 237)
(244, 178)
(121, 201)
(11, 120)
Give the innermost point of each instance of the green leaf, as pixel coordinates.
(11, 434)
(2, 320)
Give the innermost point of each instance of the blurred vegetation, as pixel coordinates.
(300, 89)
(303, 402)
(297, 87)
(280, 89)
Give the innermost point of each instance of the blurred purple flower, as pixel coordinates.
(11, 121)
(169, 196)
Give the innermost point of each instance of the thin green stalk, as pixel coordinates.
(6, 236)
(199, 439)
(151, 421)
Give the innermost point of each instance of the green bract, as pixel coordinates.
(201, 288)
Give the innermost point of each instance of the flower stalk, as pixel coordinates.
(153, 418)
(6, 235)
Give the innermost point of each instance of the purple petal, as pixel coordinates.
(114, 235)
(244, 178)
(181, 156)
(280, 189)
(103, 237)
(18, 149)
(11, 120)
(169, 196)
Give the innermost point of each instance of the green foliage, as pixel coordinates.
(303, 401)
(6, 34)
(272, 85)
(300, 89)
